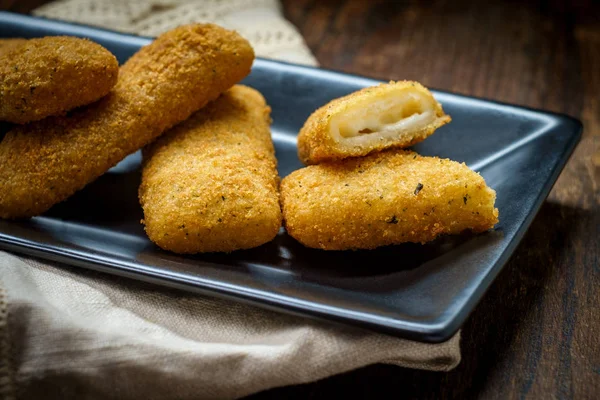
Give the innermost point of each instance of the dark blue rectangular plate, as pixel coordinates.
(419, 292)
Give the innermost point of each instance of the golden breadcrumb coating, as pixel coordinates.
(52, 75)
(210, 184)
(8, 44)
(390, 197)
(45, 162)
(396, 114)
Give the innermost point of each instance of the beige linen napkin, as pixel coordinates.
(67, 332)
(73, 333)
(259, 21)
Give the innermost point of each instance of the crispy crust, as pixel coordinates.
(210, 184)
(315, 144)
(385, 198)
(9, 44)
(51, 75)
(45, 162)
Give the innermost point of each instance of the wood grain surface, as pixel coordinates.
(536, 334)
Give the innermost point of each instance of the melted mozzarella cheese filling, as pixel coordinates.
(390, 116)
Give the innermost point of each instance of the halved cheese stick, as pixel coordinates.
(389, 197)
(397, 114)
(211, 184)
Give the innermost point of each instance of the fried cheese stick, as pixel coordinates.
(396, 114)
(45, 162)
(210, 184)
(385, 198)
(52, 75)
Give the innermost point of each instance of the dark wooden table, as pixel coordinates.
(536, 334)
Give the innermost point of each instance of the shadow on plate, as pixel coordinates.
(284, 262)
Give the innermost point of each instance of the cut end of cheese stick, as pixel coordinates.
(397, 114)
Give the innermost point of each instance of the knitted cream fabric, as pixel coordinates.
(259, 21)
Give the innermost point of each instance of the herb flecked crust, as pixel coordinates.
(390, 197)
(210, 184)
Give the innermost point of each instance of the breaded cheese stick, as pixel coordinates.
(45, 162)
(396, 114)
(385, 198)
(210, 184)
(51, 75)
(8, 44)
